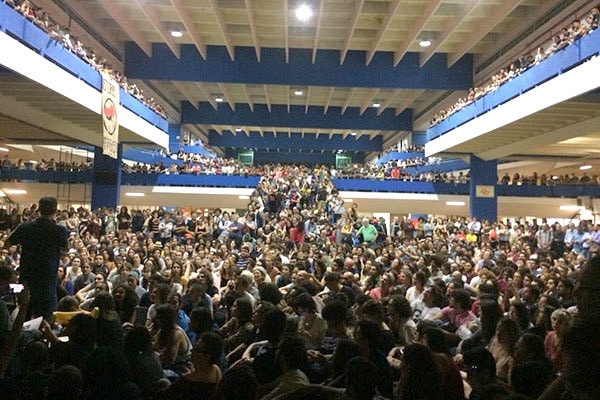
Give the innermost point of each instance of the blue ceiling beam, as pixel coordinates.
(298, 117)
(294, 141)
(300, 70)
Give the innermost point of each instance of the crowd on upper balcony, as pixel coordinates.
(567, 35)
(545, 180)
(63, 35)
(196, 164)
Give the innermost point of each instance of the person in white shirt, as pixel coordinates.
(429, 306)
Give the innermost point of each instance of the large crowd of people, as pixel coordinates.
(304, 296)
(421, 170)
(567, 35)
(63, 35)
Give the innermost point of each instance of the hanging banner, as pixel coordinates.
(110, 122)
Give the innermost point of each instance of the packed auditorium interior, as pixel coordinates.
(301, 199)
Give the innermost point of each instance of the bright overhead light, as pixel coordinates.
(352, 133)
(348, 200)
(238, 129)
(134, 194)
(176, 34)
(376, 105)
(570, 207)
(584, 167)
(4, 149)
(219, 99)
(455, 203)
(298, 92)
(244, 197)
(425, 43)
(304, 12)
(15, 191)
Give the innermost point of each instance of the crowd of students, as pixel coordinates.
(576, 29)
(63, 35)
(300, 296)
(195, 164)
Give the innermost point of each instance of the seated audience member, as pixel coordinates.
(81, 332)
(312, 326)
(561, 322)
(452, 383)
(361, 380)
(429, 305)
(126, 300)
(291, 355)
(239, 383)
(66, 383)
(335, 313)
(502, 346)
(142, 359)
(108, 324)
(530, 347)
(106, 376)
(203, 382)
(159, 294)
(238, 328)
(170, 341)
(401, 324)
(458, 313)
(368, 336)
(262, 355)
(346, 350)
(530, 378)
(31, 380)
(200, 321)
(481, 371)
(419, 376)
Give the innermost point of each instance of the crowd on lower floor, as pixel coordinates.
(305, 298)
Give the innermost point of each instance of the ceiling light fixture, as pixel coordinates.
(304, 13)
(376, 105)
(425, 43)
(219, 99)
(570, 207)
(4, 149)
(455, 203)
(584, 167)
(244, 197)
(134, 194)
(238, 129)
(15, 191)
(298, 92)
(176, 33)
(348, 200)
(352, 133)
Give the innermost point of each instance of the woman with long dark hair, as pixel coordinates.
(203, 382)
(419, 377)
(142, 359)
(170, 341)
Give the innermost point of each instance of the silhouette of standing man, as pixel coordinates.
(42, 241)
